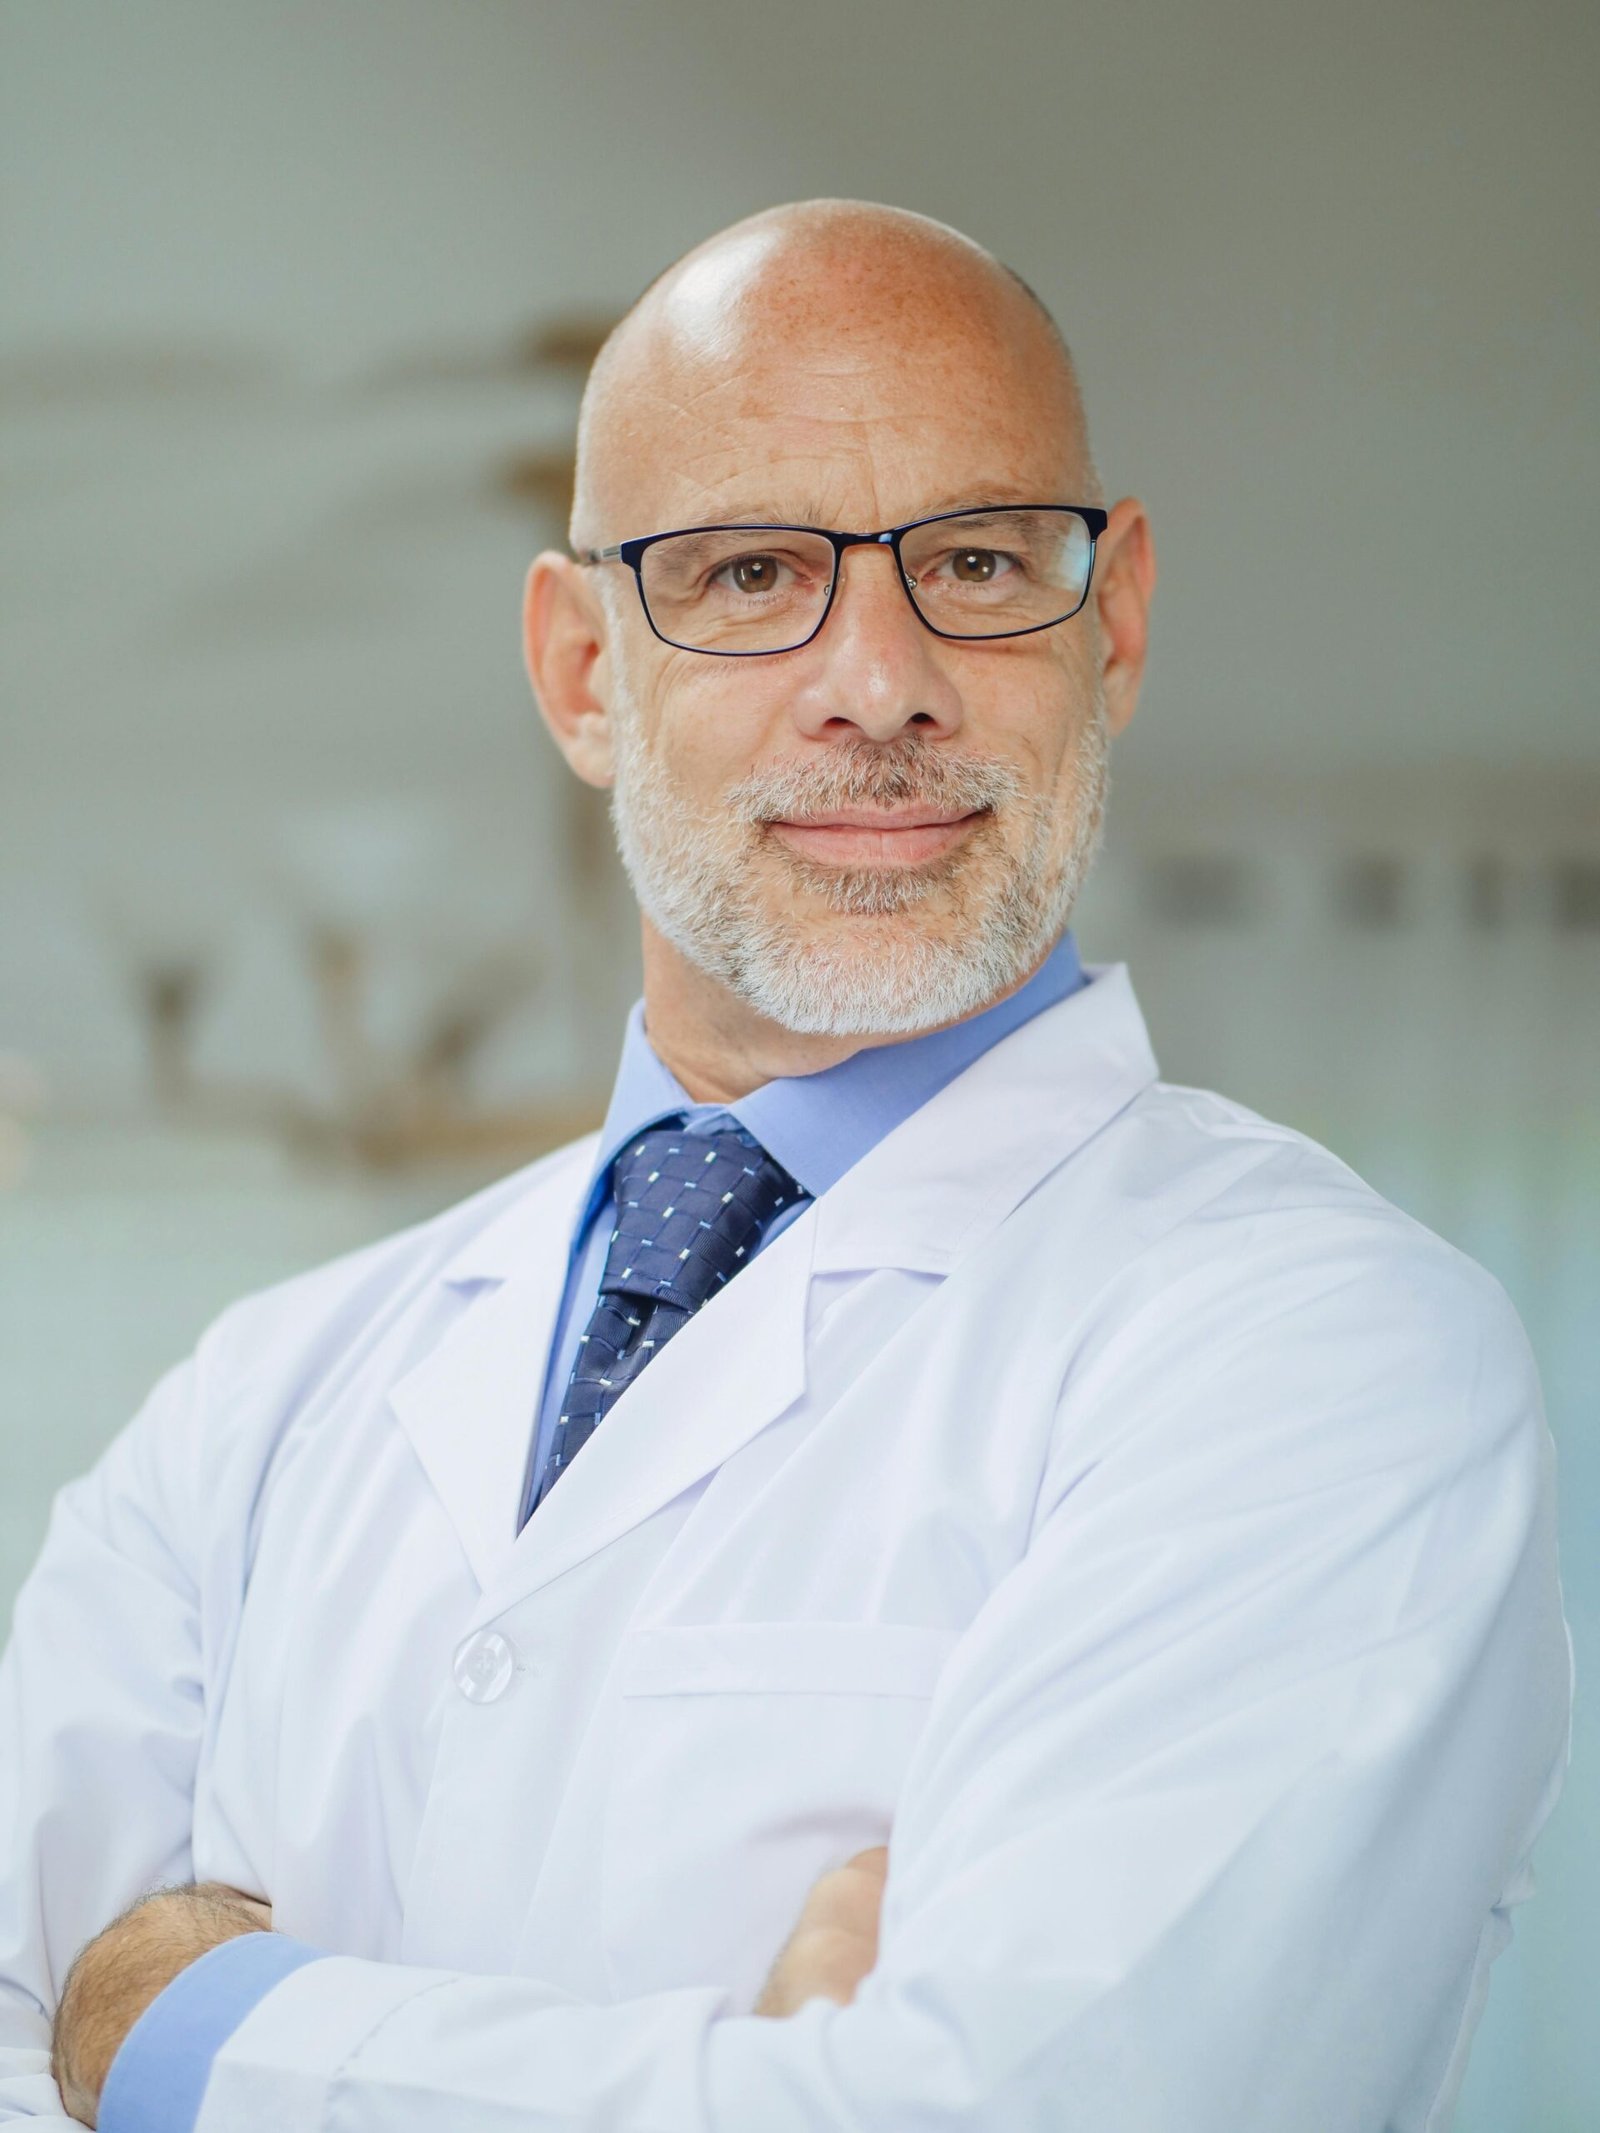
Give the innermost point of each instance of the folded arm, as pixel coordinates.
(1216, 1811)
(162, 1939)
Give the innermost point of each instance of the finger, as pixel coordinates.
(849, 1903)
(874, 1861)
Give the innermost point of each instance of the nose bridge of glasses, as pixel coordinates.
(889, 539)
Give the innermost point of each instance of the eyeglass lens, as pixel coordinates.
(987, 574)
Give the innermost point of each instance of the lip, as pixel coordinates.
(861, 836)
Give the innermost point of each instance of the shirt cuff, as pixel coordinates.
(158, 2077)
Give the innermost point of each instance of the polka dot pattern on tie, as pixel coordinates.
(690, 1210)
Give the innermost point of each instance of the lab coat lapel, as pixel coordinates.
(925, 1197)
(736, 1366)
(921, 1200)
(471, 1405)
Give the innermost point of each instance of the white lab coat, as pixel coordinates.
(1100, 1495)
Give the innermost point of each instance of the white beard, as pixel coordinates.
(894, 965)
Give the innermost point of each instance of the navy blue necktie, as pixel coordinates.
(691, 1209)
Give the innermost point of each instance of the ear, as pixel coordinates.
(564, 642)
(1125, 579)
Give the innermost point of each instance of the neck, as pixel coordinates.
(717, 1045)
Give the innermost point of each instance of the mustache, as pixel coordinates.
(893, 774)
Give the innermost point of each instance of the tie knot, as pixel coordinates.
(690, 1210)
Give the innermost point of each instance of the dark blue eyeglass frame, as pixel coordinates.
(632, 553)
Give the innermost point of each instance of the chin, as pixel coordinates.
(879, 977)
(867, 904)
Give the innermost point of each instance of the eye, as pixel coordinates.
(750, 574)
(978, 566)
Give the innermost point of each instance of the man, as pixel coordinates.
(1058, 1537)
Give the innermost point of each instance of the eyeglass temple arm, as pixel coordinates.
(601, 555)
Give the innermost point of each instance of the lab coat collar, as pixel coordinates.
(955, 1169)
(921, 1200)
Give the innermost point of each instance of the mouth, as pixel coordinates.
(876, 836)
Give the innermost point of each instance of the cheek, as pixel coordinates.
(711, 729)
(1033, 719)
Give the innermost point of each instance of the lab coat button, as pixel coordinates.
(483, 1666)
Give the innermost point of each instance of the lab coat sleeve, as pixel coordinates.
(100, 1720)
(1219, 1804)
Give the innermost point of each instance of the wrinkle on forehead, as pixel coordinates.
(829, 321)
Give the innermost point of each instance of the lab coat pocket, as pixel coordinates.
(749, 1758)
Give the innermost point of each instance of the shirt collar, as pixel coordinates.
(820, 1125)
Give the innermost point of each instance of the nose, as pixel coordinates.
(873, 669)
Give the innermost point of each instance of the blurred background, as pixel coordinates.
(305, 933)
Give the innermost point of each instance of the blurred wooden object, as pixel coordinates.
(170, 996)
(543, 479)
(390, 1110)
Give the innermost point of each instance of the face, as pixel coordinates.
(883, 830)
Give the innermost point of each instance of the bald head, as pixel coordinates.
(801, 363)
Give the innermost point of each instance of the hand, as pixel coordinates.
(114, 1979)
(835, 1943)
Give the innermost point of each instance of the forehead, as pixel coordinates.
(827, 418)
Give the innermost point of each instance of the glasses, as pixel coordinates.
(741, 591)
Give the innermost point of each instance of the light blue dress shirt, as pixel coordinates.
(817, 1126)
